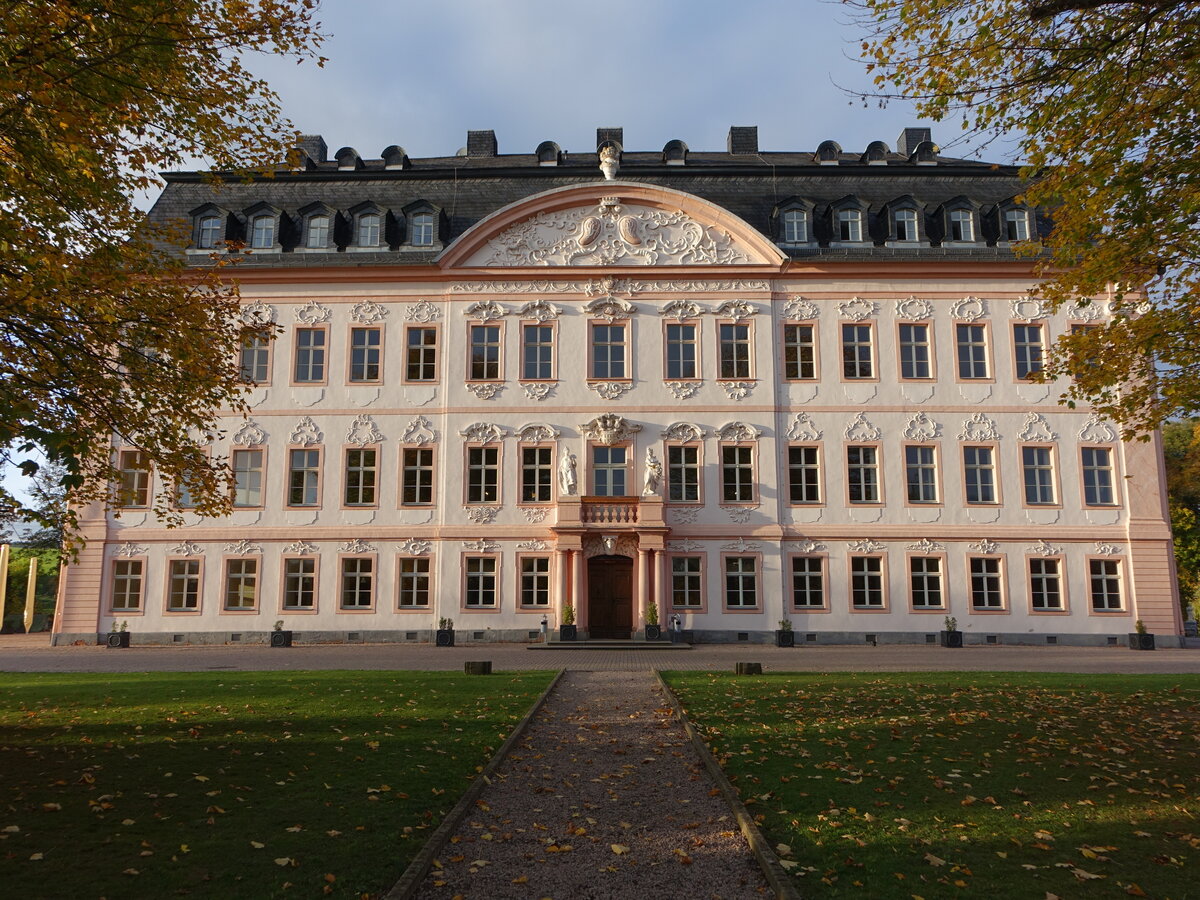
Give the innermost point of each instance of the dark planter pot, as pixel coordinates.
(445, 637)
(568, 632)
(281, 639)
(785, 638)
(951, 638)
(654, 632)
(1141, 641)
(118, 639)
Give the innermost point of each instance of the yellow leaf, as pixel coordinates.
(521, 879)
(284, 861)
(36, 857)
(934, 860)
(202, 778)
(619, 849)
(257, 845)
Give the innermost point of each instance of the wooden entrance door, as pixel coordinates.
(610, 597)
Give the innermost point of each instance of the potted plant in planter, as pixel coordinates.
(951, 636)
(118, 635)
(445, 633)
(279, 637)
(653, 629)
(568, 630)
(784, 636)
(1140, 638)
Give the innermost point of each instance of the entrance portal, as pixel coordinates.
(610, 597)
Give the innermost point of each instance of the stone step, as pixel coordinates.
(609, 645)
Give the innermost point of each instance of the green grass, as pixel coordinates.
(949, 785)
(238, 784)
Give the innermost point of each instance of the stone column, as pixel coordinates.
(577, 598)
(660, 590)
(564, 562)
(643, 586)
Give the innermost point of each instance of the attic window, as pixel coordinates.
(317, 237)
(422, 230)
(1016, 225)
(208, 232)
(905, 222)
(962, 225)
(368, 230)
(795, 226)
(262, 232)
(849, 225)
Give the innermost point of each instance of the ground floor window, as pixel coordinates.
(741, 582)
(414, 583)
(808, 582)
(866, 582)
(127, 584)
(925, 581)
(1105, 584)
(358, 582)
(481, 582)
(535, 582)
(985, 583)
(299, 583)
(241, 584)
(183, 593)
(686, 590)
(1045, 585)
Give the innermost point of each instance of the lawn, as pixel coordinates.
(947, 785)
(237, 784)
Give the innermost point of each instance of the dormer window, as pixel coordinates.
(1016, 225)
(795, 226)
(962, 225)
(849, 225)
(317, 237)
(368, 230)
(421, 232)
(905, 224)
(209, 232)
(262, 232)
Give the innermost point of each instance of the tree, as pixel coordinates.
(103, 327)
(1103, 102)
(1181, 451)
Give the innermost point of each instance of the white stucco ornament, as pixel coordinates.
(258, 314)
(737, 310)
(925, 545)
(485, 310)
(250, 434)
(420, 432)
(914, 309)
(243, 548)
(859, 429)
(422, 311)
(358, 545)
(1028, 309)
(482, 515)
(680, 310)
(367, 312)
(737, 390)
(737, 432)
(300, 548)
(1042, 548)
(1096, 431)
(808, 545)
(858, 309)
(610, 162)
(611, 390)
(984, 545)
(483, 433)
(536, 390)
(922, 428)
(537, 433)
(484, 390)
(979, 428)
(683, 390)
(541, 310)
(313, 313)
(801, 308)
(415, 547)
(306, 433)
(683, 432)
(609, 429)
(130, 549)
(803, 429)
(969, 309)
(186, 548)
(866, 545)
(1036, 429)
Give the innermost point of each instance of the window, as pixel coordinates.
(537, 475)
(979, 474)
(799, 352)
(481, 582)
(609, 471)
(317, 237)
(416, 476)
(361, 477)
(262, 232)
(1038, 465)
(1097, 477)
(737, 475)
(183, 588)
(962, 225)
(857, 352)
(608, 351)
(686, 584)
(1029, 348)
(866, 582)
(255, 359)
(921, 474)
(862, 474)
(735, 350)
(535, 582)
(972, 351)
(681, 351)
(741, 582)
(804, 475)
(184, 499)
(127, 584)
(304, 477)
(1105, 584)
(299, 583)
(1016, 225)
(247, 478)
(209, 232)
(849, 225)
(134, 488)
(1045, 587)
(485, 352)
(422, 230)
(420, 362)
(368, 230)
(808, 582)
(905, 222)
(683, 474)
(483, 474)
(925, 581)
(241, 583)
(358, 582)
(914, 351)
(310, 355)
(985, 583)
(364, 353)
(537, 356)
(414, 583)
(795, 226)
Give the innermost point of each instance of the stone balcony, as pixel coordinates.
(610, 513)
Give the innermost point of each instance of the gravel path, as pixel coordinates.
(604, 798)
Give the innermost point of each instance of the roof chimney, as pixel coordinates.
(314, 146)
(743, 140)
(481, 144)
(616, 135)
(910, 138)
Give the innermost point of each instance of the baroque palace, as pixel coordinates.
(734, 387)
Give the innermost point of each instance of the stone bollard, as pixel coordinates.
(478, 667)
(747, 668)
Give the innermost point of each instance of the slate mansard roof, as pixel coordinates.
(758, 186)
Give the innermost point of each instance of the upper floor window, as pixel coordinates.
(255, 359)
(799, 352)
(209, 232)
(416, 476)
(262, 232)
(485, 352)
(304, 477)
(537, 361)
(420, 362)
(904, 221)
(609, 471)
(979, 474)
(1029, 346)
(857, 352)
(368, 230)
(1016, 225)
(683, 473)
(862, 474)
(921, 474)
(537, 475)
(247, 477)
(421, 233)
(1037, 464)
(310, 355)
(795, 226)
(608, 351)
(1097, 476)
(848, 225)
(134, 467)
(483, 474)
(317, 236)
(914, 351)
(361, 477)
(972, 351)
(804, 475)
(735, 350)
(737, 474)
(365, 353)
(681, 351)
(962, 225)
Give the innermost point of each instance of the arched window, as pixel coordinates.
(849, 225)
(905, 223)
(262, 232)
(962, 225)
(795, 226)
(368, 230)
(422, 230)
(1016, 225)
(318, 233)
(209, 232)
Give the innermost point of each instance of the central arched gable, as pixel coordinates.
(611, 223)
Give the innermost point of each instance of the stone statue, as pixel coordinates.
(568, 481)
(653, 473)
(610, 161)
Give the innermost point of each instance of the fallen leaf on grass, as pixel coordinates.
(35, 857)
(284, 861)
(257, 845)
(934, 860)
(521, 879)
